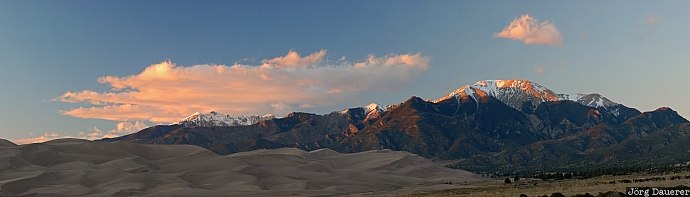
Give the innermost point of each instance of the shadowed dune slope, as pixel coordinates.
(5, 143)
(72, 167)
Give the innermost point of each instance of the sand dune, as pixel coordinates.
(71, 167)
(4, 143)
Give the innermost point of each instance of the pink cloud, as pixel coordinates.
(166, 92)
(96, 133)
(539, 70)
(293, 60)
(531, 31)
(651, 20)
(47, 136)
(121, 128)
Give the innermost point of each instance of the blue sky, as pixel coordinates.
(633, 52)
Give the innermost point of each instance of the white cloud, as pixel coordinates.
(531, 31)
(166, 92)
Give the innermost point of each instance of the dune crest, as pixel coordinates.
(6, 143)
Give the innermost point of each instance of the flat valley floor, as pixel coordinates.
(568, 187)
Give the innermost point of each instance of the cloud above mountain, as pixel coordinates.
(47, 136)
(166, 92)
(532, 31)
(121, 128)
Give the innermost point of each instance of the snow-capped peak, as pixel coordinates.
(370, 111)
(214, 119)
(372, 107)
(515, 93)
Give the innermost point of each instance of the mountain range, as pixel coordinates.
(491, 125)
(215, 119)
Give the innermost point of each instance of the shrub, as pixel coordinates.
(584, 195)
(557, 194)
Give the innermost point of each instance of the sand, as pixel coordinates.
(72, 167)
(6, 143)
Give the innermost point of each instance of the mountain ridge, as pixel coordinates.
(478, 131)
